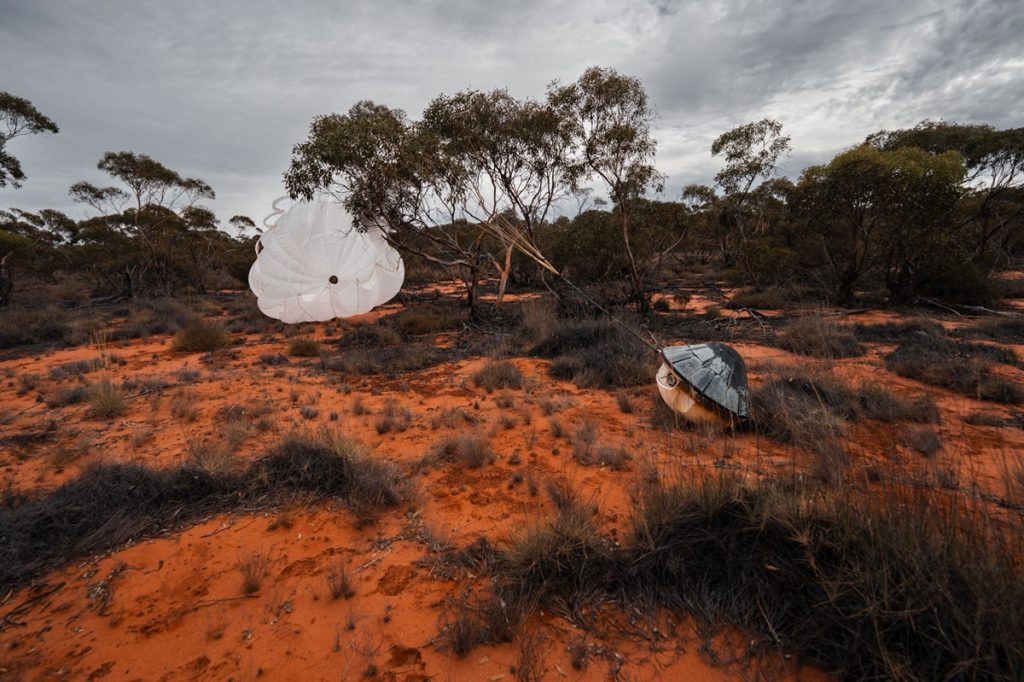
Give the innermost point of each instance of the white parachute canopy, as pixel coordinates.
(314, 265)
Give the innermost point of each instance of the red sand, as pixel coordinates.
(173, 608)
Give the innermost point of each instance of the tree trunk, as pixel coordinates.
(634, 274)
(6, 284)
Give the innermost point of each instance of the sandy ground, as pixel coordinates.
(173, 607)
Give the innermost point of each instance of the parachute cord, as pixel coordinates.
(526, 246)
(622, 325)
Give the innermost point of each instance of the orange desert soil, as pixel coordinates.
(173, 607)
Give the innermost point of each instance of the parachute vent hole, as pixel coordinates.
(333, 279)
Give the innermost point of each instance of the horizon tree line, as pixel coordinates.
(934, 210)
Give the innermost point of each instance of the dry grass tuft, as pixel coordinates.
(107, 400)
(253, 567)
(498, 374)
(468, 450)
(819, 337)
(338, 583)
(394, 417)
(200, 336)
(304, 347)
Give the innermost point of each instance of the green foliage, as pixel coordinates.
(150, 234)
(886, 213)
(609, 118)
(19, 117)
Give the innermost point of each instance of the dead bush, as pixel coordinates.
(338, 583)
(183, 405)
(922, 439)
(253, 567)
(451, 418)
(108, 505)
(583, 442)
(211, 457)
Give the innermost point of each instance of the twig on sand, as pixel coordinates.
(25, 605)
(376, 560)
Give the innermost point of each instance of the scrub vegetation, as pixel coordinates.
(487, 449)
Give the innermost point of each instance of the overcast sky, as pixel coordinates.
(221, 90)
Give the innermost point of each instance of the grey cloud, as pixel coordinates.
(223, 90)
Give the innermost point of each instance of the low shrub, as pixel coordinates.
(108, 505)
(339, 585)
(897, 586)
(583, 440)
(966, 368)
(596, 354)
(810, 415)
(865, 588)
(70, 396)
(304, 347)
(374, 335)
(25, 326)
(624, 402)
(894, 332)
(451, 418)
(253, 567)
(199, 336)
(394, 417)
(386, 361)
(469, 450)
(922, 439)
(1002, 329)
(214, 458)
(498, 374)
(75, 369)
(819, 337)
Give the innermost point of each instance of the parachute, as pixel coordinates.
(313, 265)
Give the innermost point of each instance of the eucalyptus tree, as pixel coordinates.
(609, 119)
(479, 168)
(992, 200)
(513, 157)
(19, 117)
(883, 213)
(244, 225)
(150, 228)
(35, 241)
(393, 175)
(751, 152)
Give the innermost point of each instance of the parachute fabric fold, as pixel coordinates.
(314, 265)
